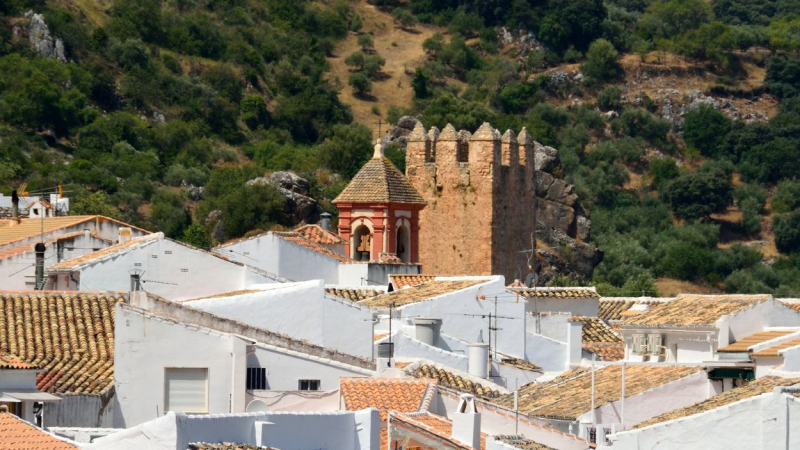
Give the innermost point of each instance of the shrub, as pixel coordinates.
(610, 98)
(787, 232)
(360, 83)
(698, 195)
(787, 196)
(365, 41)
(601, 61)
(705, 129)
(404, 18)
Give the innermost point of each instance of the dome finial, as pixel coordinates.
(378, 150)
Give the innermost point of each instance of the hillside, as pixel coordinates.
(675, 120)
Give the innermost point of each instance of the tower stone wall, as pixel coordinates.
(480, 191)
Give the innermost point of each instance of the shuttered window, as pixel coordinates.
(186, 389)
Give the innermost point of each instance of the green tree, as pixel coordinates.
(787, 196)
(197, 235)
(254, 111)
(610, 98)
(697, 195)
(360, 83)
(404, 18)
(772, 161)
(347, 150)
(365, 41)
(420, 84)
(667, 18)
(356, 60)
(97, 203)
(787, 232)
(601, 61)
(688, 261)
(705, 128)
(373, 65)
(169, 213)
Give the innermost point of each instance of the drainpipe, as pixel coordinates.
(39, 249)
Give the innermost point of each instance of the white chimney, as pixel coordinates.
(427, 330)
(467, 422)
(479, 360)
(125, 234)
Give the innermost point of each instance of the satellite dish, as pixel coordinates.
(257, 406)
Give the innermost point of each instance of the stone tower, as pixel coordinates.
(480, 192)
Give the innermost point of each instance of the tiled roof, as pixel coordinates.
(447, 378)
(379, 181)
(9, 361)
(607, 351)
(28, 228)
(569, 395)
(436, 426)
(223, 295)
(595, 330)
(315, 233)
(794, 305)
(775, 349)
(295, 238)
(70, 335)
(555, 292)
(71, 264)
(521, 442)
(421, 292)
(227, 446)
(614, 309)
(762, 336)
(353, 294)
(694, 310)
(401, 281)
(520, 364)
(760, 386)
(16, 434)
(386, 394)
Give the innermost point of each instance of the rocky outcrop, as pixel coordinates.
(299, 207)
(40, 38)
(399, 134)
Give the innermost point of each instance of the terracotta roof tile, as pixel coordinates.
(555, 292)
(569, 395)
(694, 310)
(762, 336)
(386, 394)
(615, 308)
(595, 330)
(760, 386)
(607, 351)
(29, 228)
(73, 263)
(794, 305)
(449, 379)
(9, 361)
(401, 281)
(353, 294)
(295, 238)
(223, 295)
(70, 335)
(775, 349)
(379, 181)
(520, 364)
(521, 442)
(16, 434)
(434, 425)
(227, 446)
(421, 292)
(315, 233)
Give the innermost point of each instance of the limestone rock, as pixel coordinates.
(299, 207)
(40, 38)
(289, 181)
(545, 157)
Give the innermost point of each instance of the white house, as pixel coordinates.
(171, 357)
(291, 256)
(18, 392)
(63, 238)
(762, 415)
(159, 265)
(301, 310)
(341, 430)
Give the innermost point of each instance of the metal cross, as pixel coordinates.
(379, 123)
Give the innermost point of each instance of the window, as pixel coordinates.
(308, 385)
(186, 389)
(256, 378)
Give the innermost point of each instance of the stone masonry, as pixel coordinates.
(480, 216)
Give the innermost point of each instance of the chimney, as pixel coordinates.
(15, 205)
(427, 330)
(479, 360)
(467, 422)
(125, 234)
(325, 221)
(39, 248)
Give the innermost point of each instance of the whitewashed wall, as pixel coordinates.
(171, 270)
(587, 307)
(407, 348)
(549, 354)
(302, 311)
(766, 422)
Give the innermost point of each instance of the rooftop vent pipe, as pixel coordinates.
(479, 360)
(15, 205)
(39, 248)
(325, 221)
(427, 330)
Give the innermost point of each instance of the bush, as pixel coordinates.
(662, 171)
(360, 83)
(348, 149)
(601, 61)
(787, 232)
(254, 111)
(705, 128)
(687, 261)
(403, 18)
(610, 98)
(420, 84)
(365, 41)
(698, 195)
(787, 196)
